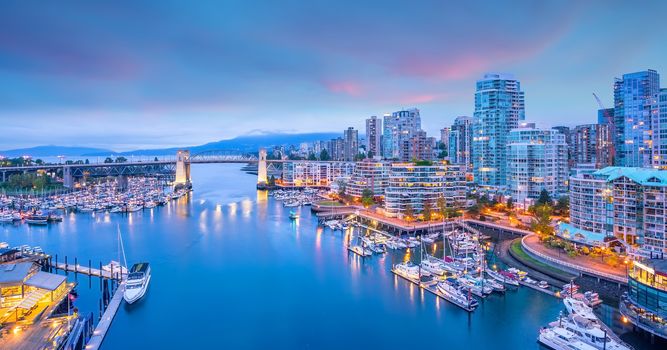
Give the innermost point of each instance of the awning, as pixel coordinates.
(45, 280)
(29, 302)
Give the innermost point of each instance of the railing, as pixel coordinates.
(576, 267)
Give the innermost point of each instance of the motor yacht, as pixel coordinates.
(589, 332)
(407, 270)
(578, 307)
(561, 339)
(137, 282)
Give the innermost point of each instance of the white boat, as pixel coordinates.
(588, 332)
(137, 282)
(578, 307)
(359, 250)
(454, 295)
(433, 267)
(502, 279)
(4, 245)
(407, 270)
(8, 218)
(561, 339)
(116, 210)
(115, 266)
(543, 284)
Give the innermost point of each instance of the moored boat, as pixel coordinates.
(137, 282)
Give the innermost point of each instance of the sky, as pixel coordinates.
(150, 74)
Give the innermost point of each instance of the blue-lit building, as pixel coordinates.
(398, 128)
(499, 107)
(645, 304)
(633, 96)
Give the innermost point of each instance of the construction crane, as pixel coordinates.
(609, 120)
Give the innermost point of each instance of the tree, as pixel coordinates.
(474, 210)
(312, 156)
(408, 212)
(121, 159)
(563, 205)
(428, 210)
(442, 206)
(370, 154)
(324, 155)
(360, 156)
(545, 198)
(342, 187)
(367, 197)
(442, 154)
(541, 222)
(108, 160)
(510, 203)
(155, 160)
(87, 161)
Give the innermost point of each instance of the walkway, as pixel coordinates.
(103, 326)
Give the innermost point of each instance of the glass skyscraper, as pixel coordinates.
(398, 128)
(499, 106)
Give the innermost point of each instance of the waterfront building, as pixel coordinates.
(417, 147)
(644, 303)
(659, 130)
(499, 107)
(460, 142)
(313, 173)
(398, 127)
(412, 186)
(374, 137)
(536, 161)
(633, 96)
(592, 143)
(627, 203)
(350, 144)
(371, 175)
(24, 287)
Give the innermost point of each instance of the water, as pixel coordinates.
(230, 270)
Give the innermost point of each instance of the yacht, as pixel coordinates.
(6, 218)
(561, 339)
(588, 332)
(360, 250)
(457, 297)
(293, 215)
(36, 220)
(543, 284)
(407, 270)
(137, 282)
(433, 267)
(115, 266)
(578, 307)
(502, 278)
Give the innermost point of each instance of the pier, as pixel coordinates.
(102, 328)
(431, 286)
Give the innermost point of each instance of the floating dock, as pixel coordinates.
(88, 271)
(102, 328)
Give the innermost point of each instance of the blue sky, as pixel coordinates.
(138, 74)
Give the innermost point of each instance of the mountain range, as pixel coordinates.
(248, 143)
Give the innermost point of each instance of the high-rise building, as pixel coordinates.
(606, 116)
(568, 139)
(413, 187)
(350, 144)
(592, 144)
(373, 136)
(460, 142)
(445, 134)
(633, 95)
(398, 127)
(659, 130)
(336, 148)
(536, 161)
(499, 106)
(417, 147)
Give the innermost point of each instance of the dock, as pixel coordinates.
(533, 286)
(431, 287)
(102, 328)
(88, 271)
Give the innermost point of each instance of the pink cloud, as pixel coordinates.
(345, 87)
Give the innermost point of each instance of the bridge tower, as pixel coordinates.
(262, 179)
(68, 179)
(182, 168)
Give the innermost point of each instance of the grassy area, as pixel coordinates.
(519, 254)
(330, 204)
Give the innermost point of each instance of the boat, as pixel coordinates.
(543, 284)
(36, 220)
(116, 209)
(589, 332)
(433, 267)
(114, 266)
(591, 298)
(4, 245)
(497, 287)
(359, 250)
(569, 289)
(293, 215)
(578, 307)
(457, 297)
(6, 219)
(502, 278)
(561, 339)
(407, 270)
(137, 282)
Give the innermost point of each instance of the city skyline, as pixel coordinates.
(129, 76)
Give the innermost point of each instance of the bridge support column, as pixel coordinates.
(262, 179)
(4, 176)
(182, 168)
(68, 179)
(122, 182)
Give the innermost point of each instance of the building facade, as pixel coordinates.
(659, 130)
(369, 175)
(536, 161)
(314, 174)
(645, 304)
(398, 127)
(633, 95)
(417, 147)
(592, 144)
(350, 144)
(413, 187)
(499, 107)
(460, 142)
(374, 136)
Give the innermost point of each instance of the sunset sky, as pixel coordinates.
(144, 74)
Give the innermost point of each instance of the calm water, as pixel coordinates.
(231, 271)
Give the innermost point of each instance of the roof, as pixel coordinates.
(139, 267)
(45, 280)
(644, 176)
(7, 251)
(14, 273)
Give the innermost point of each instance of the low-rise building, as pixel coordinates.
(644, 304)
(413, 186)
(314, 174)
(371, 175)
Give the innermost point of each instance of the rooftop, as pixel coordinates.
(644, 176)
(13, 273)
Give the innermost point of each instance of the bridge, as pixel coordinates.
(178, 167)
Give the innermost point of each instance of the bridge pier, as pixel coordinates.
(4, 176)
(262, 179)
(182, 169)
(68, 179)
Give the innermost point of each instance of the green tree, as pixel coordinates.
(312, 156)
(442, 154)
(510, 203)
(428, 210)
(545, 198)
(442, 206)
(324, 155)
(121, 159)
(409, 211)
(541, 222)
(367, 197)
(155, 160)
(87, 161)
(108, 160)
(563, 205)
(370, 154)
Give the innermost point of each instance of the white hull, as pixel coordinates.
(132, 295)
